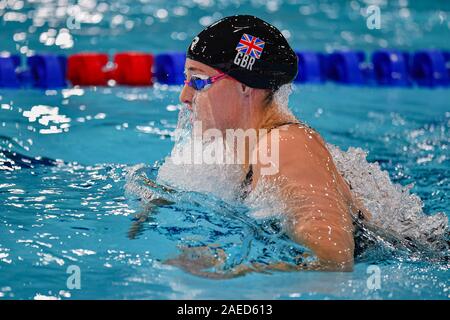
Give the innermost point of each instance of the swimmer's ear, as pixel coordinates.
(245, 90)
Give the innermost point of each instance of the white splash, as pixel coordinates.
(222, 180)
(281, 97)
(393, 207)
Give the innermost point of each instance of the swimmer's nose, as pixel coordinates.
(186, 96)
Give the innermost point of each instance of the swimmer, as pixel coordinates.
(233, 71)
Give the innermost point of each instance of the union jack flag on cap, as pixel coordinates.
(250, 45)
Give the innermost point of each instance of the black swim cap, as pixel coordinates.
(248, 49)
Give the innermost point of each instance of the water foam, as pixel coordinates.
(393, 206)
(220, 179)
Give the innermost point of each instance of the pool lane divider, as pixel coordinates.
(428, 68)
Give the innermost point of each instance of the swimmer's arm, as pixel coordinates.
(196, 261)
(139, 219)
(154, 184)
(317, 214)
(149, 208)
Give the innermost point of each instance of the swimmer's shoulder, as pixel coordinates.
(309, 150)
(299, 137)
(300, 149)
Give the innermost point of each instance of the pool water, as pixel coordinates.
(66, 157)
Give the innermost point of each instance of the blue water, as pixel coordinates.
(72, 208)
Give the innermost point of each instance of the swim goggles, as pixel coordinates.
(200, 83)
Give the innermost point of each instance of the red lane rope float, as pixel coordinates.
(133, 68)
(92, 69)
(87, 69)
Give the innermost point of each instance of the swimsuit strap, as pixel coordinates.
(284, 124)
(246, 184)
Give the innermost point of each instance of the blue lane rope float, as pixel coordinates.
(431, 68)
(391, 68)
(47, 71)
(427, 68)
(345, 67)
(312, 66)
(8, 75)
(169, 68)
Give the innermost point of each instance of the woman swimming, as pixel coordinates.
(233, 70)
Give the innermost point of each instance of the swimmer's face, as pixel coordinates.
(220, 106)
